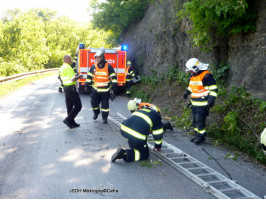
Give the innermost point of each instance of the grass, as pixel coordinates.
(8, 87)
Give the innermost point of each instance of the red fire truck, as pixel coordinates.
(116, 58)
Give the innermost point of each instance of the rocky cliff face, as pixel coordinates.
(158, 42)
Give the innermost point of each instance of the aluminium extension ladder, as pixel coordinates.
(212, 181)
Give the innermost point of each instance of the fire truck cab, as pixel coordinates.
(116, 58)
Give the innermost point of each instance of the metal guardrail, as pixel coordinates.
(210, 180)
(19, 76)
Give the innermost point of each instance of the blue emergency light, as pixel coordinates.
(124, 47)
(81, 46)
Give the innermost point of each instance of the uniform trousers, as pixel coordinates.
(103, 98)
(139, 149)
(199, 114)
(73, 102)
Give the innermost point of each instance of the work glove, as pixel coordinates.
(114, 86)
(189, 105)
(157, 149)
(185, 96)
(210, 104)
(112, 96)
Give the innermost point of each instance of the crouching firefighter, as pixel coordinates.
(203, 90)
(102, 75)
(141, 105)
(136, 130)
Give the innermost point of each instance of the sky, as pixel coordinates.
(75, 9)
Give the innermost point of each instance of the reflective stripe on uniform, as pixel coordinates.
(137, 154)
(213, 94)
(199, 103)
(157, 132)
(133, 133)
(101, 89)
(95, 108)
(202, 131)
(104, 110)
(158, 141)
(145, 117)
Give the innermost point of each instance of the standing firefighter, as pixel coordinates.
(73, 102)
(101, 74)
(129, 77)
(136, 130)
(203, 90)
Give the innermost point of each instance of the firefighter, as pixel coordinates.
(129, 77)
(73, 102)
(73, 65)
(101, 75)
(136, 130)
(263, 141)
(141, 105)
(203, 90)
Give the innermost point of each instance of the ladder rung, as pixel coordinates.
(229, 190)
(182, 163)
(210, 174)
(195, 168)
(213, 182)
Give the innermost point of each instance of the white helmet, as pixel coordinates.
(100, 54)
(193, 64)
(128, 63)
(138, 101)
(132, 106)
(263, 140)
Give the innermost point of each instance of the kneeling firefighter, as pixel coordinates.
(141, 105)
(102, 74)
(136, 130)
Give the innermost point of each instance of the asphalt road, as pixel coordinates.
(41, 158)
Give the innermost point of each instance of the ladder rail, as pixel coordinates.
(187, 171)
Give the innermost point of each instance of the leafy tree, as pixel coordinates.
(37, 39)
(214, 18)
(116, 15)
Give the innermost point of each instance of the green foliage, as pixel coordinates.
(175, 74)
(184, 121)
(150, 163)
(37, 39)
(116, 15)
(214, 18)
(220, 72)
(242, 123)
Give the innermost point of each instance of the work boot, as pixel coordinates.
(199, 139)
(119, 154)
(168, 125)
(95, 116)
(67, 122)
(105, 120)
(192, 139)
(74, 124)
